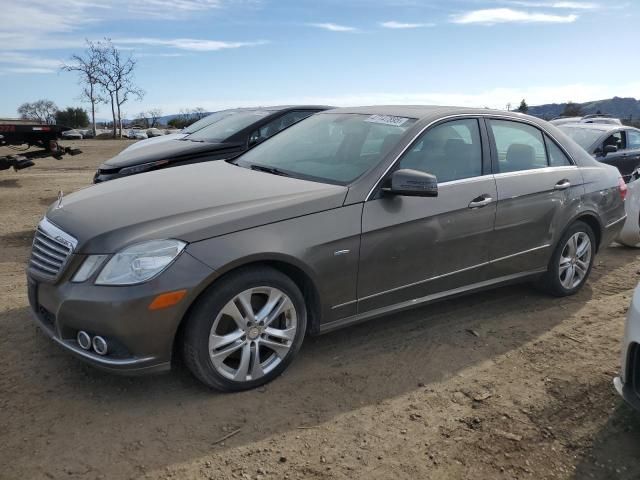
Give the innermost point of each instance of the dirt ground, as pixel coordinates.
(503, 384)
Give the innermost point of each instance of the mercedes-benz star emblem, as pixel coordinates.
(60, 197)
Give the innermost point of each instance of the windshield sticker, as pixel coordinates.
(387, 120)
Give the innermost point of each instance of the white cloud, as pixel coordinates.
(561, 5)
(334, 27)
(14, 62)
(492, 16)
(400, 25)
(192, 44)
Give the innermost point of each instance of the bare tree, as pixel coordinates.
(154, 115)
(43, 111)
(88, 66)
(115, 76)
(198, 113)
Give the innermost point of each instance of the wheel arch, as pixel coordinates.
(300, 276)
(591, 219)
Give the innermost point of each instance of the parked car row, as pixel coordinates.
(343, 216)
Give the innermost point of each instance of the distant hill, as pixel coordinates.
(624, 108)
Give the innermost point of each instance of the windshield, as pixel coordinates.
(206, 121)
(228, 125)
(334, 147)
(585, 137)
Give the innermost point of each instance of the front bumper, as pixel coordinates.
(139, 340)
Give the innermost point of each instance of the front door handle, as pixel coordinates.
(562, 184)
(481, 201)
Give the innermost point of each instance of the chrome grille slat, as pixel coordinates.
(50, 242)
(44, 267)
(44, 259)
(50, 250)
(49, 253)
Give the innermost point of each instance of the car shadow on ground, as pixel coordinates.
(616, 448)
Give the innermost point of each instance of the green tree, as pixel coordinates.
(523, 108)
(72, 117)
(572, 109)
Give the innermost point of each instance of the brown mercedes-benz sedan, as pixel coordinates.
(350, 214)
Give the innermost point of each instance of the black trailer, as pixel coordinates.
(23, 135)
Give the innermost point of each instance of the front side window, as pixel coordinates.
(276, 125)
(618, 140)
(520, 146)
(450, 151)
(633, 140)
(328, 147)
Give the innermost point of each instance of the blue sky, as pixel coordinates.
(223, 53)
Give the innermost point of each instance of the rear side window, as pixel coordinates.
(450, 151)
(633, 140)
(520, 146)
(557, 158)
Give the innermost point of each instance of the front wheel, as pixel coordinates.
(246, 330)
(571, 262)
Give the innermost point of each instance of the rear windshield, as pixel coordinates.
(585, 137)
(228, 125)
(329, 147)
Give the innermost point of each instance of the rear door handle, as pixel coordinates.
(481, 201)
(562, 184)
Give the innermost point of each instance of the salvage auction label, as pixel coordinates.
(387, 120)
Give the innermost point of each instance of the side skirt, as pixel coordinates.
(379, 312)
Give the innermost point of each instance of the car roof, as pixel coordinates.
(278, 108)
(427, 111)
(604, 127)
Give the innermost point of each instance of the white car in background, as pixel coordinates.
(628, 383)
(194, 127)
(630, 233)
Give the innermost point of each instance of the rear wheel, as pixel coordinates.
(246, 330)
(571, 262)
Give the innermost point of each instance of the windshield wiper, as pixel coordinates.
(272, 170)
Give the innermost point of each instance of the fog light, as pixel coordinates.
(84, 340)
(100, 345)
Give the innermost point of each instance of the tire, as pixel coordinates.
(558, 280)
(226, 346)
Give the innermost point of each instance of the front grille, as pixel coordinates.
(51, 250)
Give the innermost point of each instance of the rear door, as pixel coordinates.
(413, 247)
(536, 184)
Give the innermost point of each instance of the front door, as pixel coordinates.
(536, 183)
(413, 247)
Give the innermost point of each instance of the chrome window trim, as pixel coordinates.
(530, 171)
(471, 115)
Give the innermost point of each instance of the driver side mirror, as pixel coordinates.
(608, 149)
(411, 183)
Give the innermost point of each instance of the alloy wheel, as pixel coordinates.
(575, 260)
(252, 334)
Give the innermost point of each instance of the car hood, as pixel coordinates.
(154, 141)
(190, 203)
(168, 149)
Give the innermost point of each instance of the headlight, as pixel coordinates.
(88, 268)
(143, 167)
(139, 263)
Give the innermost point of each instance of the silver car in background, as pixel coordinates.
(628, 383)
